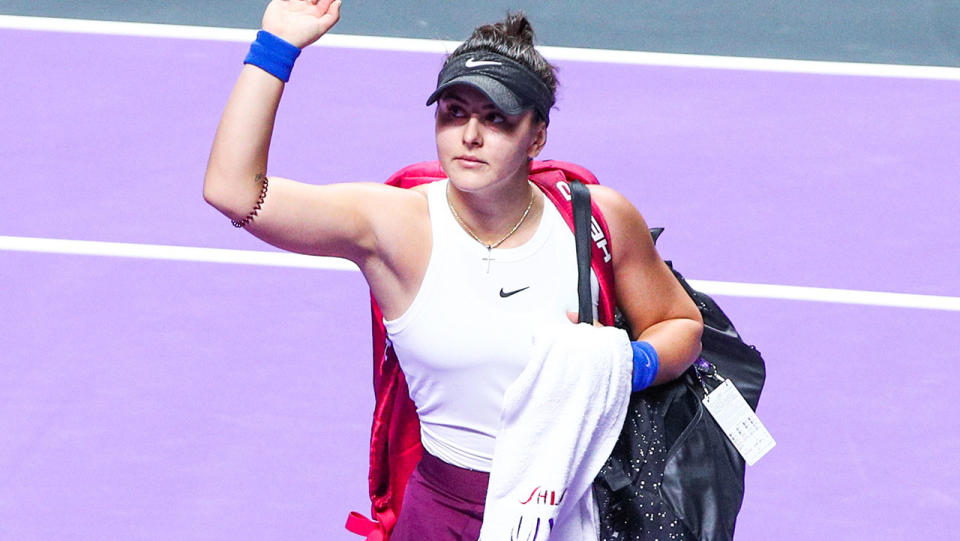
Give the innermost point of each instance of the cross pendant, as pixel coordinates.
(489, 258)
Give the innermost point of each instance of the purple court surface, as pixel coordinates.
(160, 399)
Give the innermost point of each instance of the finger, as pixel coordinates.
(331, 16)
(574, 317)
(334, 9)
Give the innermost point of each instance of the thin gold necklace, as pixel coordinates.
(489, 246)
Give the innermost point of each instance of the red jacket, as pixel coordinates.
(395, 447)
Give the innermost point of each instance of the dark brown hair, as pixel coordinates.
(513, 37)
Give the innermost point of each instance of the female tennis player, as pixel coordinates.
(432, 254)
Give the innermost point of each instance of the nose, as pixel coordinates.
(471, 133)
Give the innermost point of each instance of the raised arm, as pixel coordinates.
(298, 217)
(382, 229)
(658, 309)
(238, 158)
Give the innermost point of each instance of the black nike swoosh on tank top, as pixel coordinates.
(506, 294)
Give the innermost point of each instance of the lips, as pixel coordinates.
(469, 160)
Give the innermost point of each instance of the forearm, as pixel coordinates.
(242, 142)
(240, 147)
(677, 342)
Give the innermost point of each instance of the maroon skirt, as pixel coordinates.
(442, 503)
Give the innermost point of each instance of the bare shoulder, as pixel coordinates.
(626, 224)
(613, 204)
(402, 247)
(408, 199)
(403, 209)
(398, 216)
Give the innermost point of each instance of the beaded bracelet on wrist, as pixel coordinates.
(256, 209)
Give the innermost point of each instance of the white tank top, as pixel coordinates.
(467, 335)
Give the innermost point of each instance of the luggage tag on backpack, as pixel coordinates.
(739, 422)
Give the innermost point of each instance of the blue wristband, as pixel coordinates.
(273, 55)
(646, 363)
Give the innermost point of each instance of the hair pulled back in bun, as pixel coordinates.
(513, 37)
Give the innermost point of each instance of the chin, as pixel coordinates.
(469, 179)
(469, 182)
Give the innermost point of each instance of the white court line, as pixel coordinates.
(438, 46)
(284, 259)
(823, 294)
(173, 253)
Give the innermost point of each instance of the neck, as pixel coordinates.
(491, 214)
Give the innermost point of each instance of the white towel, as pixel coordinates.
(559, 422)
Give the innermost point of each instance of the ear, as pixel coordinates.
(539, 140)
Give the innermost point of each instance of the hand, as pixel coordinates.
(301, 22)
(574, 317)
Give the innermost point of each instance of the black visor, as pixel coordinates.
(511, 86)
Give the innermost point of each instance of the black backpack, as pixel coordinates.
(673, 473)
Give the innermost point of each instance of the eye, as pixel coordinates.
(496, 118)
(451, 112)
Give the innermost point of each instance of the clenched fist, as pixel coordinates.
(301, 22)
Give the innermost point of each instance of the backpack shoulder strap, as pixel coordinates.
(554, 179)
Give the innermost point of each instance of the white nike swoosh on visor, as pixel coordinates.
(471, 63)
